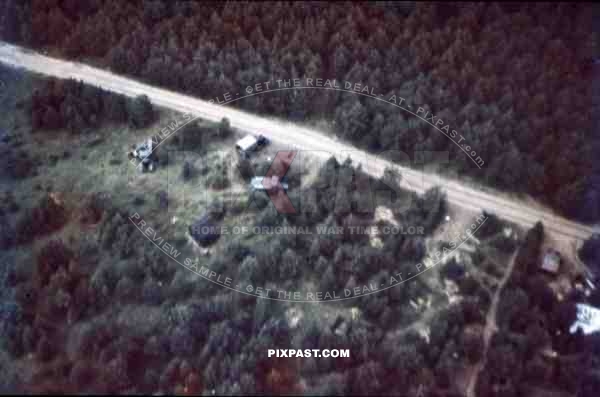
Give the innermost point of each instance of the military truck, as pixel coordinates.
(146, 154)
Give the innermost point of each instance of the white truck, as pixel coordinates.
(249, 144)
(268, 184)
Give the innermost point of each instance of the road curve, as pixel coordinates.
(301, 138)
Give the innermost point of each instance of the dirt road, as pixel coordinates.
(490, 326)
(300, 138)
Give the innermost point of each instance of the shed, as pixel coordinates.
(551, 261)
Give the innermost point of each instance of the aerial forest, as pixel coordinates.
(511, 78)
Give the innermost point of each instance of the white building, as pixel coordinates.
(588, 319)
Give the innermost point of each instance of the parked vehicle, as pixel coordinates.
(249, 144)
(146, 154)
(262, 141)
(268, 184)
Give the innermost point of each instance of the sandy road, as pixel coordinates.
(300, 138)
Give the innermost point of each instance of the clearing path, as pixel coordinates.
(490, 327)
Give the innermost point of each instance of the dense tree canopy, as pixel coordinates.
(511, 79)
(78, 107)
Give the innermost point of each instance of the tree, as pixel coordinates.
(368, 379)
(329, 280)
(492, 226)
(514, 302)
(186, 171)
(434, 207)
(404, 360)
(471, 345)
(57, 26)
(51, 257)
(115, 107)
(140, 112)
(48, 216)
(224, 128)
(537, 336)
(352, 119)
(51, 119)
(541, 294)
(529, 252)
(590, 253)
